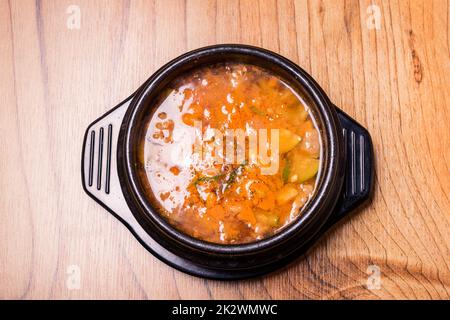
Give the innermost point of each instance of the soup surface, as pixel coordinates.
(230, 153)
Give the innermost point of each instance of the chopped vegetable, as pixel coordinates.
(207, 179)
(247, 215)
(201, 193)
(288, 140)
(257, 111)
(286, 171)
(286, 194)
(297, 113)
(302, 168)
(218, 212)
(267, 218)
(233, 175)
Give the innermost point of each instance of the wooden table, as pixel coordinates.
(56, 242)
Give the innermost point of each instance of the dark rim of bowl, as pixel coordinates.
(330, 157)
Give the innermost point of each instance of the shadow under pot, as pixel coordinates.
(114, 167)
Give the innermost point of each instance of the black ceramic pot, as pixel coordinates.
(109, 173)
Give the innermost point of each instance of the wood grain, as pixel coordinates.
(55, 81)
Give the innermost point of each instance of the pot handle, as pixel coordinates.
(359, 171)
(99, 161)
(100, 177)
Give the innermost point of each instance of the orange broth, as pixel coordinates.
(206, 197)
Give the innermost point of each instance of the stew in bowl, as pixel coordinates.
(229, 162)
(211, 194)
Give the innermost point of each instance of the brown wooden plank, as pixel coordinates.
(55, 81)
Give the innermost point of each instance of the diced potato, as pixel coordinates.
(247, 215)
(288, 140)
(286, 194)
(302, 168)
(296, 114)
(288, 98)
(267, 218)
(262, 229)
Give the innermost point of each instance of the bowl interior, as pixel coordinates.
(145, 104)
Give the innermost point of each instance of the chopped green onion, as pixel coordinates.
(257, 111)
(206, 179)
(286, 171)
(233, 175)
